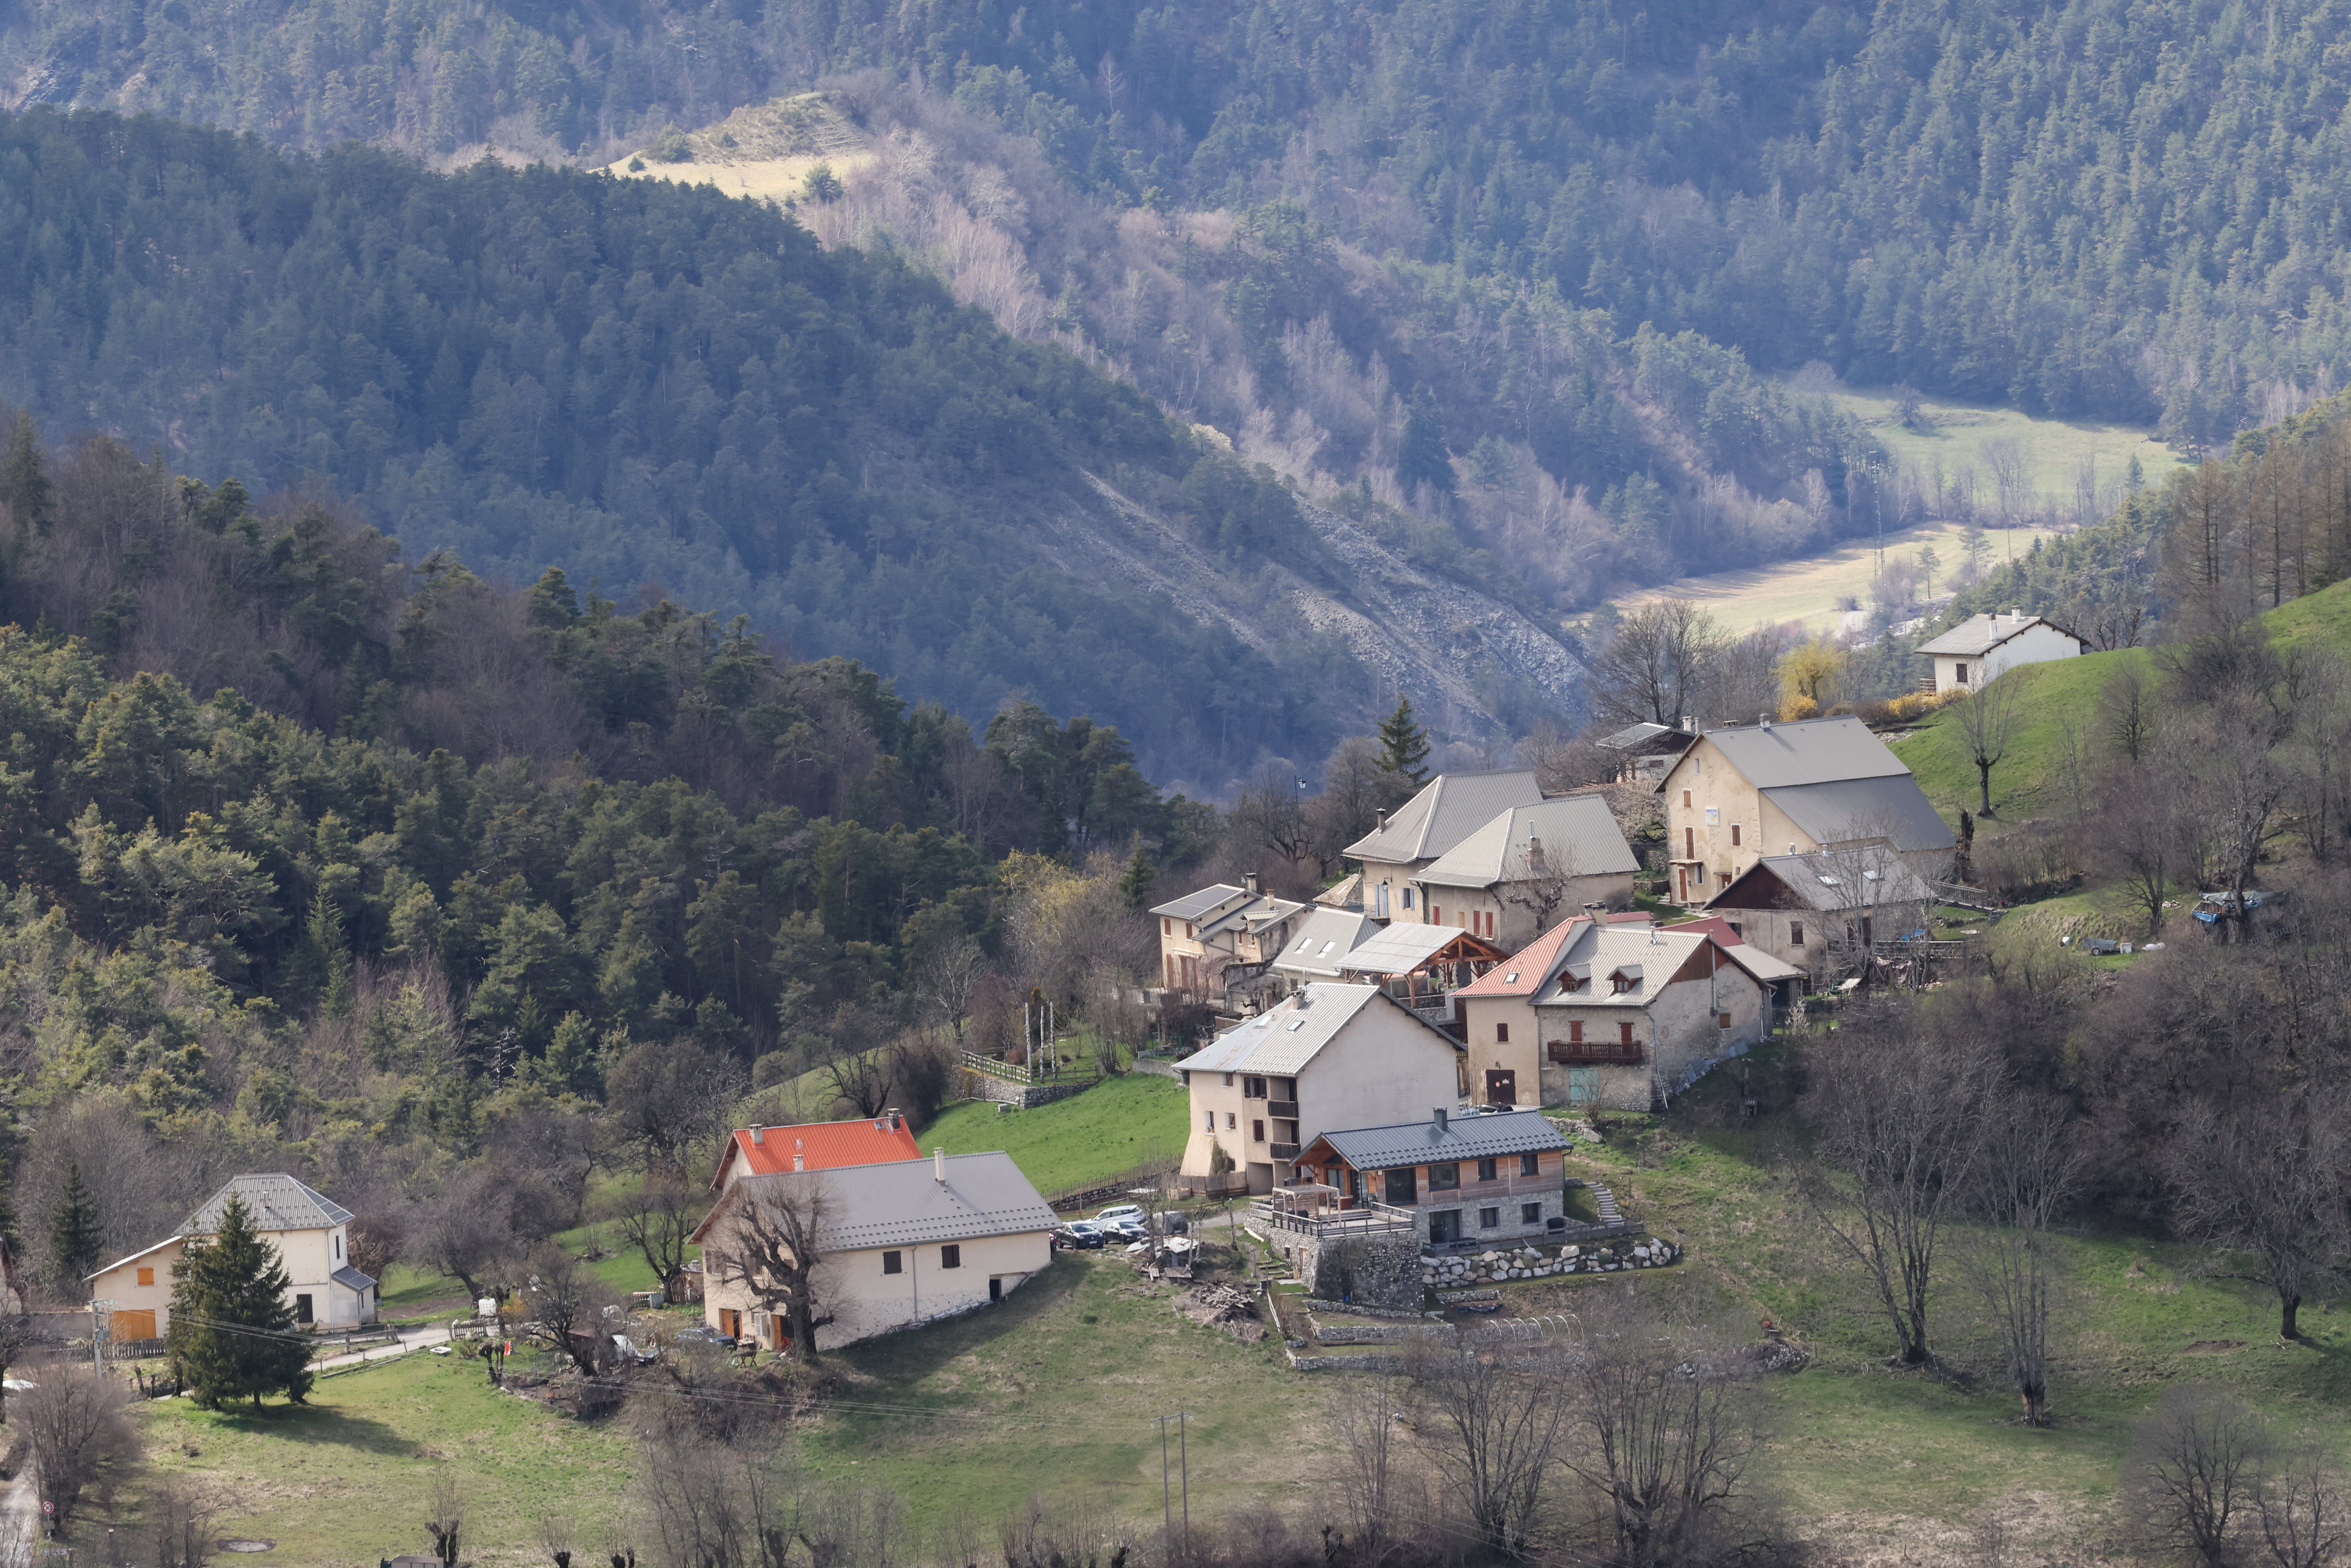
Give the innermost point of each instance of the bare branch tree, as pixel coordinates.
(1374, 1476)
(2031, 1167)
(1654, 665)
(1898, 1122)
(567, 1301)
(1540, 880)
(658, 1220)
(76, 1431)
(1662, 1433)
(769, 1242)
(2127, 710)
(1494, 1418)
(2267, 1175)
(2192, 1467)
(1985, 718)
(2305, 1520)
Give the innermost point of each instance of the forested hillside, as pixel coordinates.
(651, 384)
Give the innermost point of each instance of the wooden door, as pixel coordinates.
(1582, 1085)
(1501, 1086)
(134, 1324)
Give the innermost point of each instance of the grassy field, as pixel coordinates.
(2030, 781)
(1809, 591)
(1954, 433)
(346, 1479)
(763, 150)
(1088, 1138)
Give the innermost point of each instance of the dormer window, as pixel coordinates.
(1628, 978)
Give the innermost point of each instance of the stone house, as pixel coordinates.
(1449, 809)
(1330, 1056)
(1808, 910)
(1529, 868)
(1204, 933)
(1745, 791)
(1495, 1177)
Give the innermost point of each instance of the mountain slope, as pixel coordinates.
(651, 384)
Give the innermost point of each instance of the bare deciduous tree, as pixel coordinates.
(658, 1220)
(2127, 710)
(76, 1433)
(1493, 1416)
(1374, 1478)
(2031, 1167)
(945, 980)
(1985, 718)
(724, 1505)
(566, 1300)
(181, 1524)
(1898, 1122)
(1662, 1433)
(1653, 666)
(2305, 1520)
(1540, 879)
(770, 1241)
(2267, 1175)
(666, 1101)
(2192, 1468)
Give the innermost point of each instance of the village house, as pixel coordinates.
(1420, 966)
(1493, 1176)
(1742, 792)
(1330, 1056)
(1982, 648)
(1645, 751)
(1619, 1014)
(814, 1147)
(903, 1242)
(1449, 809)
(1324, 939)
(309, 1231)
(1203, 934)
(1521, 872)
(1806, 910)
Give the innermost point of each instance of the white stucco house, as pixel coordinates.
(309, 1230)
(1980, 649)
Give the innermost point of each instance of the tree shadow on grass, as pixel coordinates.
(314, 1424)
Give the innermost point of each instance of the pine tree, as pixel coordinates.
(233, 1334)
(1421, 457)
(1403, 744)
(76, 1230)
(24, 484)
(1141, 873)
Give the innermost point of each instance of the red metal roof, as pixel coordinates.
(1714, 926)
(818, 1146)
(1520, 974)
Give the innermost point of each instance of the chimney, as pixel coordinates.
(1382, 817)
(2016, 613)
(1249, 882)
(799, 1154)
(758, 1135)
(1764, 719)
(1535, 861)
(1437, 1115)
(1689, 724)
(890, 1120)
(939, 1166)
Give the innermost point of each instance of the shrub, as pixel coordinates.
(671, 147)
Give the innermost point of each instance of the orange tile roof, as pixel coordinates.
(1521, 974)
(818, 1146)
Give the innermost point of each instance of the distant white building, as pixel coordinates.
(1980, 649)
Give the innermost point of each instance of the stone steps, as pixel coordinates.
(1605, 1202)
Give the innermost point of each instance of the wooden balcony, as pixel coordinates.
(1584, 1053)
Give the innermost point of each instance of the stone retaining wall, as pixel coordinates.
(978, 1085)
(1533, 1263)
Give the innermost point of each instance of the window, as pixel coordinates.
(950, 1256)
(1530, 1214)
(1252, 1088)
(1685, 797)
(302, 1309)
(1211, 1119)
(1228, 1080)
(1400, 1186)
(1795, 933)
(338, 1244)
(1689, 842)
(1624, 1032)
(1575, 1031)
(1736, 929)
(1407, 898)
(1959, 674)
(1530, 1164)
(1230, 1122)
(1187, 929)
(1501, 1034)
(1490, 1219)
(893, 1262)
(1722, 1021)
(1734, 835)
(1485, 1170)
(1257, 1132)
(1444, 1178)
(146, 1276)
(1166, 925)
(1436, 916)
(1697, 874)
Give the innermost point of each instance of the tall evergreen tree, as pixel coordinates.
(76, 1230)
(1421, 457)
(233, 1334)
(1134, 887)
(24, 482)
(1403, 744)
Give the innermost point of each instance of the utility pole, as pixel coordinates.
(1183, 1463)
(1167, 1503)
(98, 1333)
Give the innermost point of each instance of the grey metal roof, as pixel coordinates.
(1400, 949)
(1980, 635)
(352, 1278)
(1579, 834)
(1842, 880)
(1449, 809)
(899, 1203)
(1193, 905)
(1322, 943)
(275, 1202)
(1648, 953)
(1849, 809)
(1285, 1038)
(1633, 734)
(1255, 915)
(1462, 1137)
(1810, 751)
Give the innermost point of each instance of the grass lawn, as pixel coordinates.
(1054, 1393)
(1109, 1128)
(1954, 433)
(346, 1479)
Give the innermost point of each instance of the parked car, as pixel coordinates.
(1119, 1211)
(1132, 1228)
(1084, 1235)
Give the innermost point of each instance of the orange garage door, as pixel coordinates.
(140, 1324)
